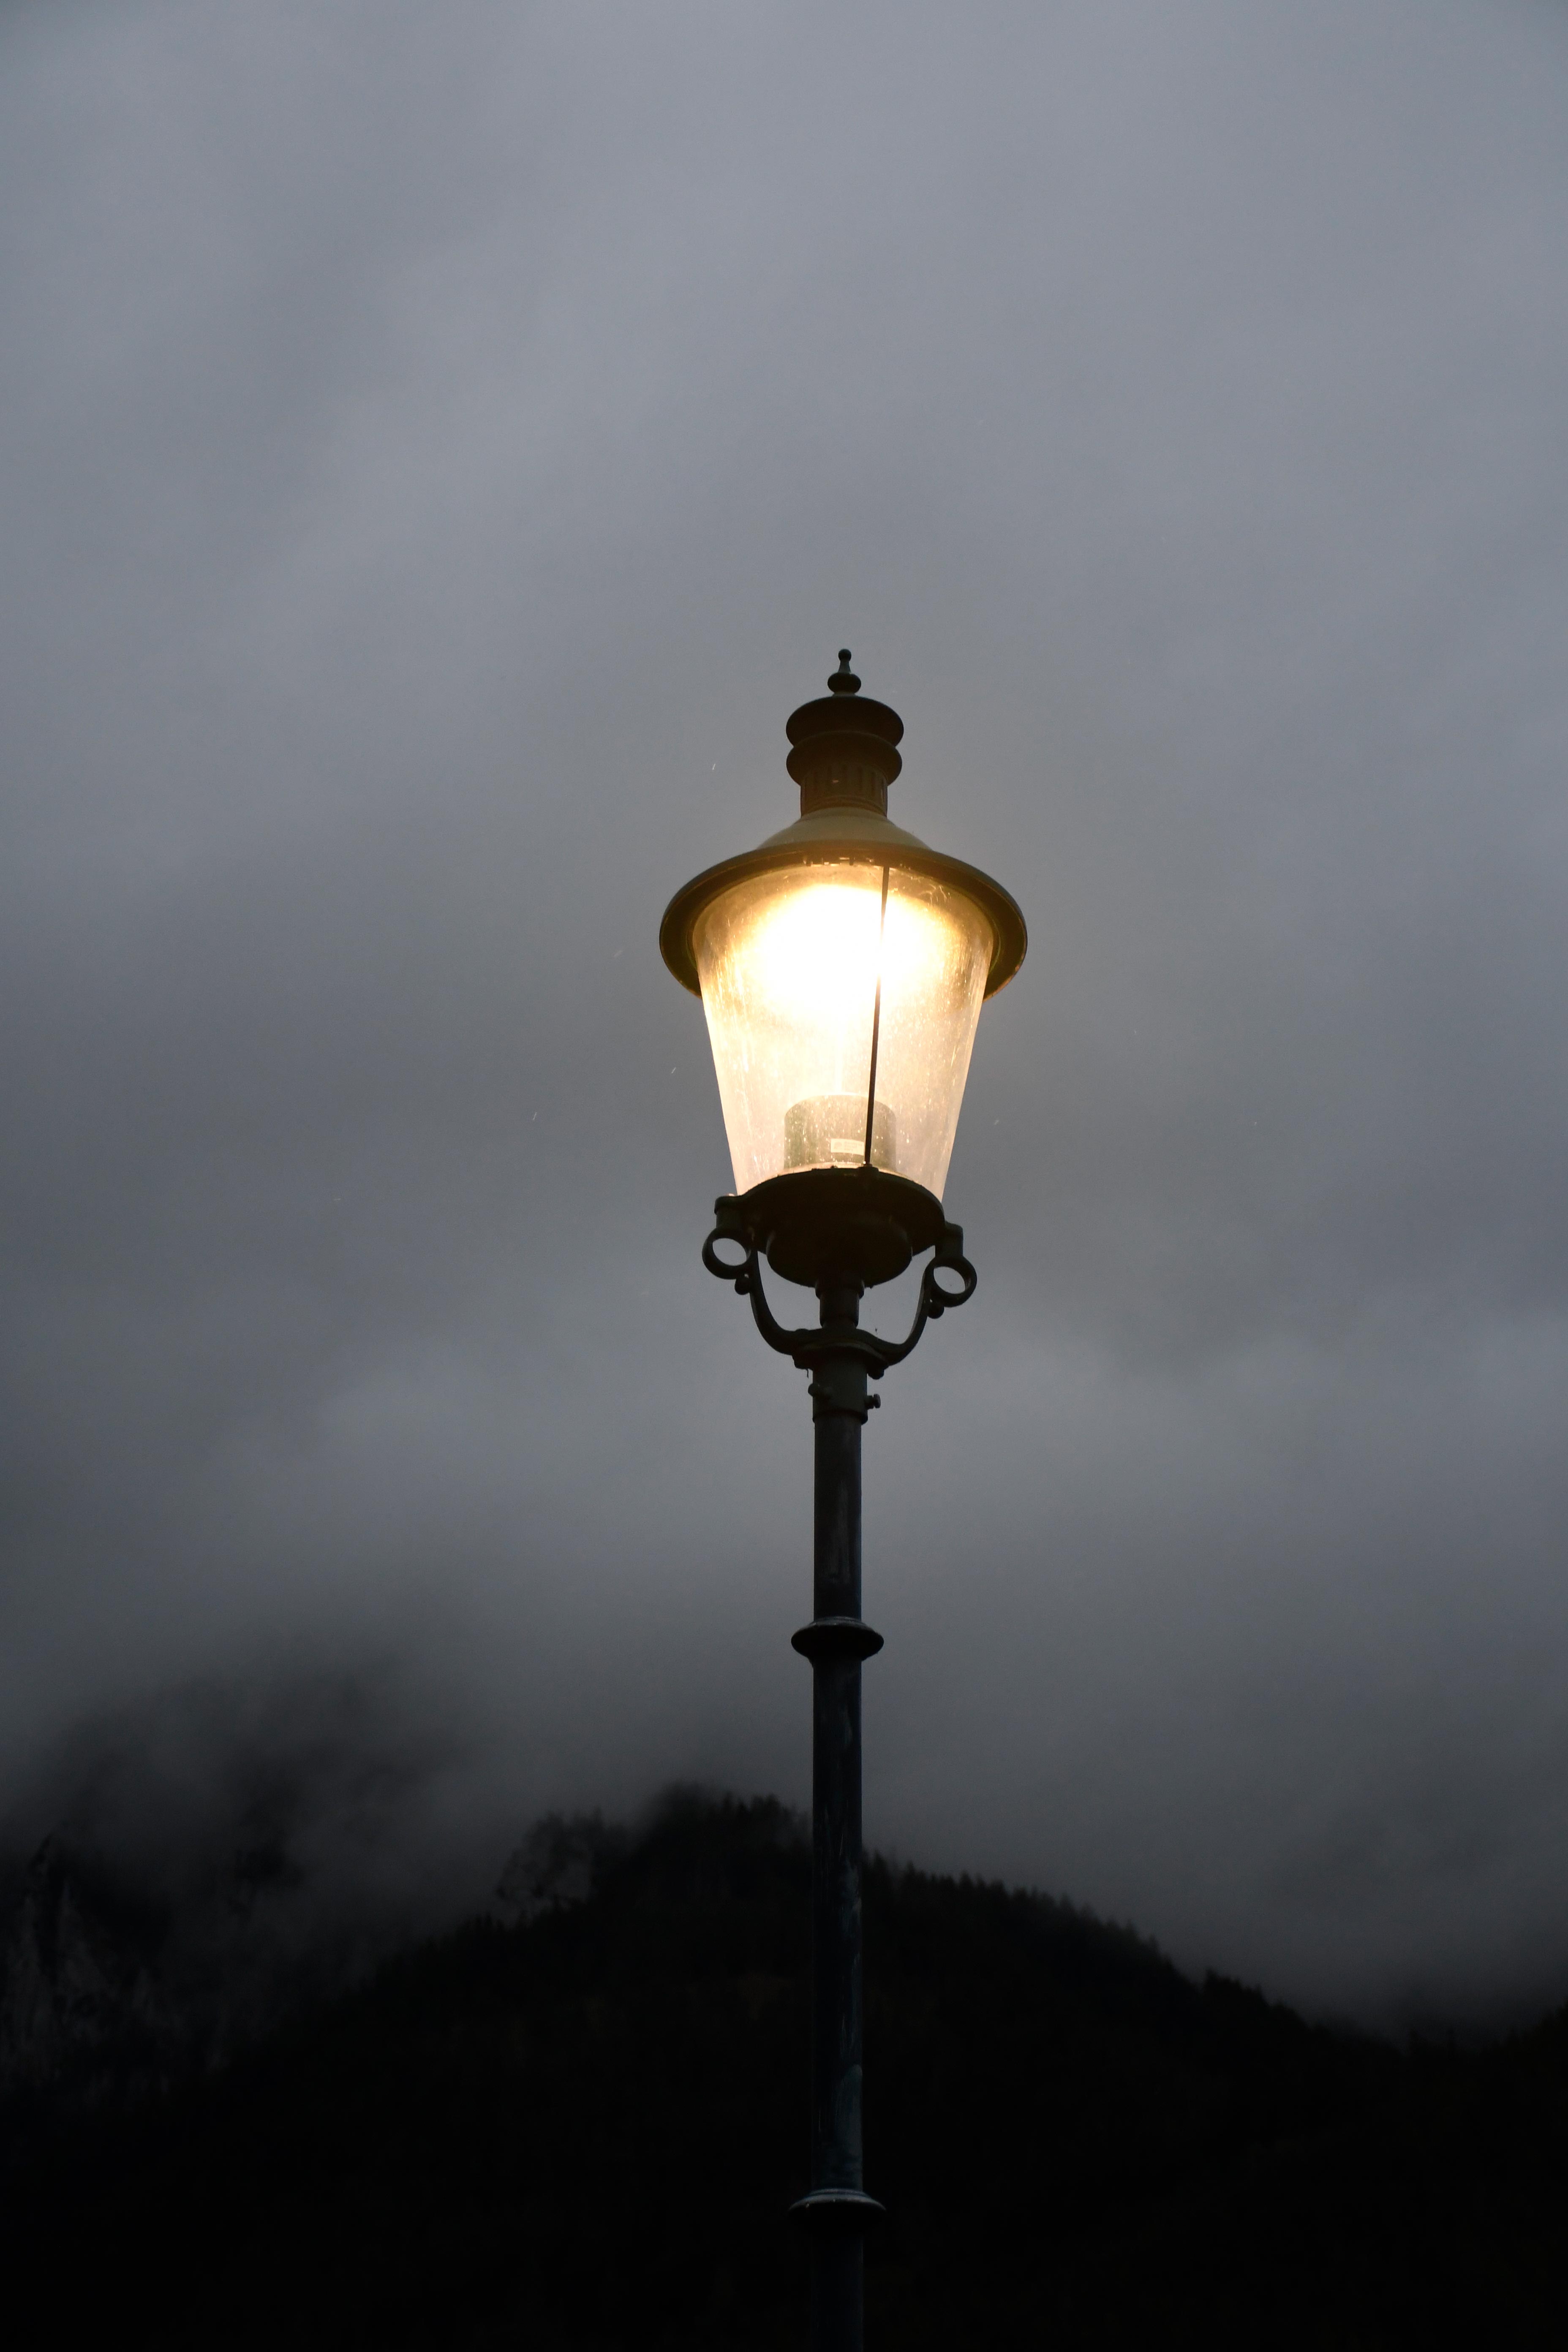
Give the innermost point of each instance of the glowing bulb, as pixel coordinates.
(789, 962)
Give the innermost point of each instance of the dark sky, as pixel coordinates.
(438, 445)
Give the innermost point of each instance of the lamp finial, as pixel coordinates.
(844, 681)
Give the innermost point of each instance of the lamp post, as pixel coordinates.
(841, 966)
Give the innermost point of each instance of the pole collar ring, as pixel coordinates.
(838, 2209)
(836, 1637)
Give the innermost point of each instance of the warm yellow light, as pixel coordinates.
(826, 945)
(806, 973)
(814, 951)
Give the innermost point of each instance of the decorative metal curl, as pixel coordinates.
(805, 1344)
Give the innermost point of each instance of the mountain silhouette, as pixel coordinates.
(581, 2124)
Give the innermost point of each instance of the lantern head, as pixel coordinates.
(842, 966)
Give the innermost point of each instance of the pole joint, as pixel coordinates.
(837, 2210)
(836, 1637)
(838, 1376)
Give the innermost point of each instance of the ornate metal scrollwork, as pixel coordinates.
(806, 1344)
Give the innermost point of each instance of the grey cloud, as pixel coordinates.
(437, 452)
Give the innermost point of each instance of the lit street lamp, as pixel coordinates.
(841, 966)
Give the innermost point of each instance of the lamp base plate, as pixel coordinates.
(823, 1225)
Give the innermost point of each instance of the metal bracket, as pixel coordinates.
(813, 1348)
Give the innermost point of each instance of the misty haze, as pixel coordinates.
(439, 447)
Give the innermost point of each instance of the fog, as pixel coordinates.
(437, 450)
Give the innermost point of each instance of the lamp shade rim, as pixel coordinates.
(844, 837)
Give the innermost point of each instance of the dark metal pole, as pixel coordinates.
(843, 1240)
(836, 1641)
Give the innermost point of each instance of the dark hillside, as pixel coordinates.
(585, 2130)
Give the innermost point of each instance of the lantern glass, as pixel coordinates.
(811, 974)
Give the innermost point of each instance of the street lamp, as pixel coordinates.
(841, 966)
